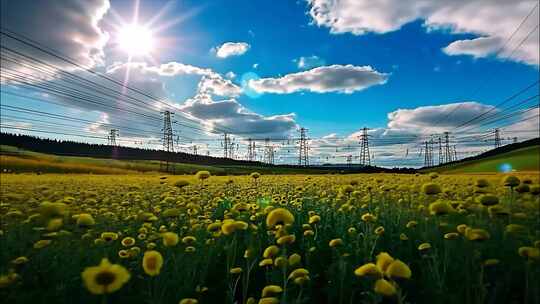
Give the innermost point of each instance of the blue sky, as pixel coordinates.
(428, 54)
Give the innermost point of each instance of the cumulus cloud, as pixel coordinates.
(495, 20)
(432, 118)
(229, 115)
(477, 47)
(217, 85)
(229, 49)
(333, 78)
(309, 62)
(74, 32)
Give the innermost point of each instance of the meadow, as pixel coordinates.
(377, 238)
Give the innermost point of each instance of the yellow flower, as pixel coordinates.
(314, 219)
(190, 249)
(461, 228)
(202, 175)
(269, 300)
(294, 259)
(451, 236)
(529, 252)
(109, 236)
(403, 237)
(279, 216)
(335, 242)
(411, 224)
(236, 270)
(152, 262)
(511, 181)
(20, 260)
(440, 207)
(170, 239)
(297, 273)
(85, 220)
(266, 262)
(271, 290)
(42, 243)
(491, 262)
(424, 247)
(128, 241)
(309, 233)
(369, 270)
(188, 301)
(280, 262)
(384, 260)
(488, 199)
(124, 254)
(105, 278)
(398, 269)
(476, 234)
(271, 251)
(284, 240)
(431, 188)
(368, 217)
(385, 288)
(379, 230)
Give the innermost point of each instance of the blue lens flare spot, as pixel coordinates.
(505, 167)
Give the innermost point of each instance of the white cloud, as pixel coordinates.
(229, 115)
(231, 49)
(434, 118)
(219, 86)
(309, 62)
(477, 47)
(230, 75)
(68, 27)
(494, 19)
(333, 78)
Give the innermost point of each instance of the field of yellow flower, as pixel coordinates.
(378, 238)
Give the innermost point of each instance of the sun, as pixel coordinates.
(135, 40)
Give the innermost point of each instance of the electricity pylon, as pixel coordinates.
(303, 156)
(168, 141)
(252, 155)
(497, 138)
(225, 144)
(112, 137)
(447, 150)
(268, 152)
(365, 159)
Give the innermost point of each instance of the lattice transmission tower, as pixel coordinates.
(497, 138)
(111, 138)
(268, 152)
(168, 140)
(225, 144)
(303, 149)
(252, 154)
(365, 158)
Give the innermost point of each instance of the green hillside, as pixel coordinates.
(13, 159)
(524, 159)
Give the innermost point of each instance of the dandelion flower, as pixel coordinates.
(335, 243)
(488, 199)
(236, 270)
(384, 260)
(85, 220)
(294, 259)
(271, 251)
(384, 288)
(424, 247)
(42, 243)
(105, 278)
(271, 290)
(368, 270)
(279, 216)
(314, 219)
(269, 300)
(398, 269)
(476, 234)
(170, 239)
(128, 241)
(300, 272)
(152, 262)
(431, 188)
(188, 301)
(529, 252)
